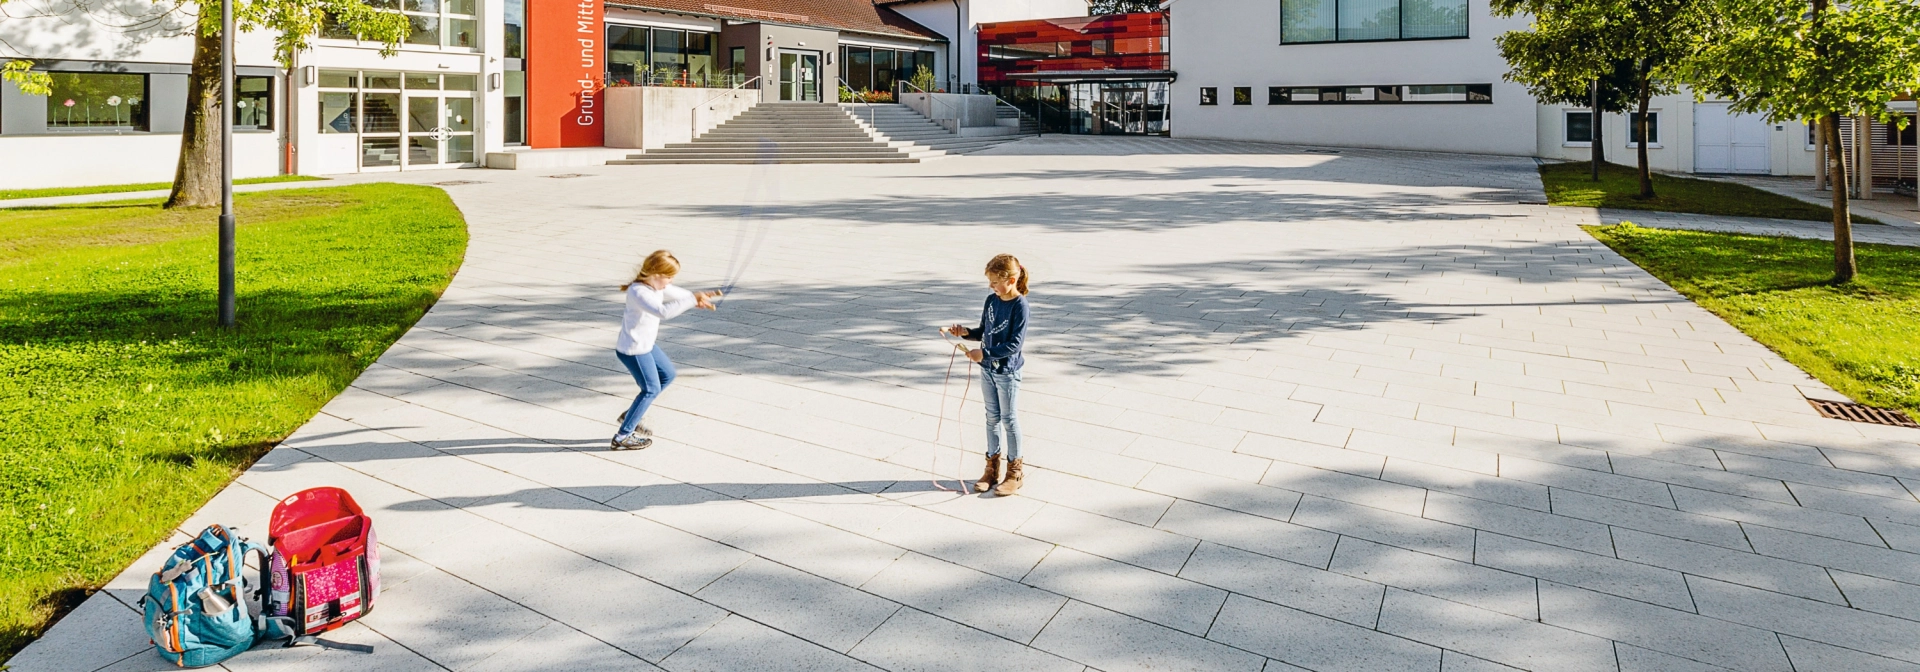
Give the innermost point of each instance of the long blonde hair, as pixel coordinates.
(661, 262)
(1009, 266)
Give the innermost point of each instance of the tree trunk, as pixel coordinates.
(1598, 148)
(196, 181)
(1646, 100)
(1843, 266)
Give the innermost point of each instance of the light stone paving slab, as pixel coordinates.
(1284, 411)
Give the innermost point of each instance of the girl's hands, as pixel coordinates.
(975, 355)
(957, 330)
(704, 300)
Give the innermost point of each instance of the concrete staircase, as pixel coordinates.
(1028, 125)
(779, 133)
(920, 137)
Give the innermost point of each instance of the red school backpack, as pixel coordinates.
(326, 562)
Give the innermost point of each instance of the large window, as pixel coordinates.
(876, 68)
(514, 28)
(1305, 21)
(97, 101)
(1653, 129)
(253, 104)
(434, 23)
(642, 56)
(1579, 127)
(1374, 95)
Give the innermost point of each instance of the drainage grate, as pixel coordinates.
(567, 176)
(455, 183)
(1847, 410)
(1533, 202)
(1323, 151)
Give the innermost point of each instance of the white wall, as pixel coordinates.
(60, 29)
(1789, 153)
(90, 160)
(1229, 43)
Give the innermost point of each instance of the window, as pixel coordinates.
(97, 101)
(878, 68)
(1377, 95)
(1308, 21)
(1209, 95)
(436, 23)
(1901, 137)
(253, 104)
(1578, 127)
(339, 112)
(1243, 95)
(737, 62)
(638, 55)
(626, 53)
(515, 28)
(1653, 129)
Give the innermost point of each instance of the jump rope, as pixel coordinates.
(763, 186)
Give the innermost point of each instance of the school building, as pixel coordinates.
(495, 82)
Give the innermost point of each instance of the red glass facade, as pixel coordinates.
(1124, 42)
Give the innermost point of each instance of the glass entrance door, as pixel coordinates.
(1124, 110)
(800, 76)
(439, 131)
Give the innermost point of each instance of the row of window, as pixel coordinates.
(434, 23)
(1077, 48)
(876, 69)
(642, 55)
(1309, 21)
(114, 101)
(1579, 127)
(1321, 95)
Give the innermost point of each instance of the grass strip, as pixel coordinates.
(125, 409)
(1861, 338)
(11, 194)
(1572, 184)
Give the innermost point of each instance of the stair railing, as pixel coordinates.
(1019, 113)
(862, 100)
(703, 106)
(933, 106)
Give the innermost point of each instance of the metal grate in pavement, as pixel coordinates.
(1847, 410)
(567, 176)
(456, 183)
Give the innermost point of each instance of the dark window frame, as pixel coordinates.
(1566, 126)
(272, 103)
(144, 105)
(1243, 95)
(1466, 28)
(1337, 95)
(1653, 128)
(1209, 95)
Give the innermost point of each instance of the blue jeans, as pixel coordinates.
(654, 372)
(1000, 390)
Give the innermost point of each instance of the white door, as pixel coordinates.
(1724, 142)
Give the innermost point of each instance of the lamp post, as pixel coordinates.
(226, 163)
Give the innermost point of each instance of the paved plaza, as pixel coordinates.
(1286, 409)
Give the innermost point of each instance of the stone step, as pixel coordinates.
(755, 160)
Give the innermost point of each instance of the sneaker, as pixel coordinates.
(632, 441)
(639, 428)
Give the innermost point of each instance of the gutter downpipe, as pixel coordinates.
(953, 77)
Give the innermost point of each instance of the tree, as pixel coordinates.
(196, 181)
(1560, 61)
(1574, 42)
(20, 71)
(1795, 60)
(1099, 7)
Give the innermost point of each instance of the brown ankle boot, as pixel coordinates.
(987, 480)
(1015, 476)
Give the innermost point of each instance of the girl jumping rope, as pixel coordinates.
(651, 298)
(1002, 332)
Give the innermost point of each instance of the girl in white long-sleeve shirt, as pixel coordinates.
(651, 298)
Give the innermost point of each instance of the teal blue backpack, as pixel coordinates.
(202, 608)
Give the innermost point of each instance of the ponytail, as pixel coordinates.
(1006, 265)
(661, 262)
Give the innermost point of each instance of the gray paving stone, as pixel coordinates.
(1490, 589)
(1118, 643)
(1606, 574)
(1636, 659)
(1783, 516)
(914, 641)
(1161, 598)
(1817, 621)
(1308, 589)
(1386, 527)
(1811, 656)
(1879, 595)
(1669, 631)
(1667, 522)
(1451, 661)
(1246, 532)
(1154, 549)
(1725, 564)
(1344, 486)
(737, 643)
(1314, 642)
(99, 632)
(1521, 643)
(1519, 522)
(815, 609)
(1835, 554)
(999, 606)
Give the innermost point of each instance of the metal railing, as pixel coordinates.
(933, 109)
(861, 99)
(697, 109)
(1020, 114)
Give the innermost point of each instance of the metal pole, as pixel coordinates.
(226, 163)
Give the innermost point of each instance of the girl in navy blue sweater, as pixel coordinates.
(1002, 333)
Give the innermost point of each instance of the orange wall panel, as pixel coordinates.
(566, 54)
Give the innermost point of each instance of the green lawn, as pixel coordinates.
(10, 194)
(124, 408)
(1572, 184)
(1862, 338)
